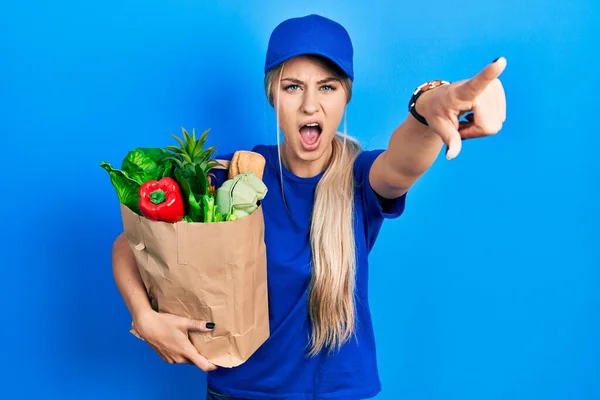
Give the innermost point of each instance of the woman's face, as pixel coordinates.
(310, 101)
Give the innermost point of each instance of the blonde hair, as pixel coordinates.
(333, 276)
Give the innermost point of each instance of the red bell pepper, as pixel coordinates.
(161, 200)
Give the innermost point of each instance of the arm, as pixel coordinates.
(411, 151)
(128, 279)
(166, 333)
(414, 147)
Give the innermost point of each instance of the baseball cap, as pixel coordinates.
(311, 34)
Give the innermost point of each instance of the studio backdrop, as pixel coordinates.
(488, 287)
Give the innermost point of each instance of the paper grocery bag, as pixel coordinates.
(209, 272)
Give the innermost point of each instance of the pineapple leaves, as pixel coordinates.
(181, 143)
(192, 164)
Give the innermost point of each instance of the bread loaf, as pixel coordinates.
(245, 161)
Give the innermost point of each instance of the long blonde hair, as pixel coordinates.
(333, 276)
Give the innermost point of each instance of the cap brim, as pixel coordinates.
(277, 62)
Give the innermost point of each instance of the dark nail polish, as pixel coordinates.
(495, 60)
(210, 325)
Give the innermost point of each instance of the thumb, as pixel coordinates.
(201, 326)
(197, 325)
(450, 136)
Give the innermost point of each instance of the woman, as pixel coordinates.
(326, 203)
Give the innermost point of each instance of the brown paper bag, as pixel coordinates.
(209, 272)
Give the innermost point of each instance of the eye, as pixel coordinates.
(328, 88)
(292, 88)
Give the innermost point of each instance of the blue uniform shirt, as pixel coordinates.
(280, 368)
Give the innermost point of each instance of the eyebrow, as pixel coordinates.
(322, 81)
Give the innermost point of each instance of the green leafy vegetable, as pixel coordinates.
(193, 203)
(139, 166)
(208, 203)
(127, 189)
(144, 164)
(189, 164)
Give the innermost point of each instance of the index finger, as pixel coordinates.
(473, 87)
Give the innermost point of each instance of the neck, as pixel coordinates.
(304, 168)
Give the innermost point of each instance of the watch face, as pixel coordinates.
(433, 84)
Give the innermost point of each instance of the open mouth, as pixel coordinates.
(310, 134)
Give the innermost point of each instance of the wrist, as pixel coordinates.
(143, 307)
(423, 133)
(419, 103)
(141, 315)
(422, 103)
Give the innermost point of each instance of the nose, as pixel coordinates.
(310, 103)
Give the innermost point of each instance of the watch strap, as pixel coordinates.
(418, 92)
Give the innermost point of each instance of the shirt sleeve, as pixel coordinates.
(375, 208)
(221, 174)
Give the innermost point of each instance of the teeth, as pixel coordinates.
(314, 124)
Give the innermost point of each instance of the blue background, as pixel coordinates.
(486, 288)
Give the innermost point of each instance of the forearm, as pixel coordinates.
(412, 149)
(128, 279)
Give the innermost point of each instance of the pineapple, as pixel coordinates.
(192, 170)
(191, 151)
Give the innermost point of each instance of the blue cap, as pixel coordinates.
(311, 34)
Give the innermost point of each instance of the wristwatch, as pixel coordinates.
(418, 92)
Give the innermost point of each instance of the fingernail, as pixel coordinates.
(210, 325)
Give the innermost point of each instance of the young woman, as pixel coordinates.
(327, 201)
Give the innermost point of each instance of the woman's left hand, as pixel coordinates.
(482, 94)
